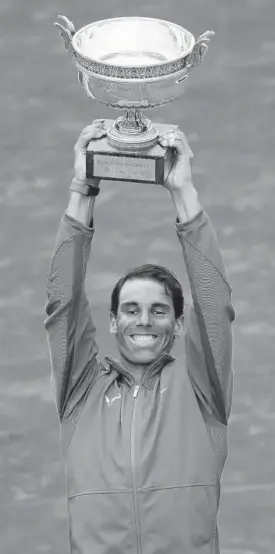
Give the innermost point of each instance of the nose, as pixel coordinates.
(144, 319)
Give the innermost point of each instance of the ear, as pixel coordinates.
(179, 326)
(113, 324)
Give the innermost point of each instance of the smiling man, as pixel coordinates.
(143, 316)
(144, 434)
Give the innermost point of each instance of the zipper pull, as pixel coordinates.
(136, 389)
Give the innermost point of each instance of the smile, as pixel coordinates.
(143, 339)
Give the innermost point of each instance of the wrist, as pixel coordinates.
(86, 187)
(186, 202)
(81, 207)
(94, 181)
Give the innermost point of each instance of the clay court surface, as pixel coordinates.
(228, 113)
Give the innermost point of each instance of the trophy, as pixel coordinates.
(132, 64)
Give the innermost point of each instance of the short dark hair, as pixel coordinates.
(157, 273)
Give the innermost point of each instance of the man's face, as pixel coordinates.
(145, 322)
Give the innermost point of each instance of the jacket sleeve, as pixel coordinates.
(69, 325)
(208, 338)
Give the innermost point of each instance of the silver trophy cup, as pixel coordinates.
(132, 64)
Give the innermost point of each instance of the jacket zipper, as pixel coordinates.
(139, 550)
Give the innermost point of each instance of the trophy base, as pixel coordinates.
(148, 165)
(132, 131)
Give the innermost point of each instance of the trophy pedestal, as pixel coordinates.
(150, 165)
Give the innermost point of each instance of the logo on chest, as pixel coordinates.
(109, 401)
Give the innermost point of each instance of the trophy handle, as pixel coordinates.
(199, 50)
(83, 79)
(66, 32)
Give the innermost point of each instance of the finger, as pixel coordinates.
(88, 135)
(92, 133)
(98, 123)
(182, 148)
(183, 145)
(178, 145)
(178, 142)
(175, 133)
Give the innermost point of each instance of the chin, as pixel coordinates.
(144, 358)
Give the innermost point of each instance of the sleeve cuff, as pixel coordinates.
(196, 220)
(77, 225)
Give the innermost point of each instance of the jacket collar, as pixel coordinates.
(150, 371)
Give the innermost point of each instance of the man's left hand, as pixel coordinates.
(180, 176)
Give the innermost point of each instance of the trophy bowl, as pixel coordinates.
(133, 64)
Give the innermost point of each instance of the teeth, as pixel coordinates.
(143, 337)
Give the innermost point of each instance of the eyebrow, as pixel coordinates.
(161, 304)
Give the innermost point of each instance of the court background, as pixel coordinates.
(228, 116)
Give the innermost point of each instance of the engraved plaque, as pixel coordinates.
(127, 168)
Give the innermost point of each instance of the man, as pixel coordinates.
(145, 435)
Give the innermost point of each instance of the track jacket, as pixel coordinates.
(143, 464)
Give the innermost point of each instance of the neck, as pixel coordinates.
(136, 370)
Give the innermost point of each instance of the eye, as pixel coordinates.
(159, 312)
(131, 311)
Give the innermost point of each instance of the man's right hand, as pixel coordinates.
(81, 207)
(94, 131)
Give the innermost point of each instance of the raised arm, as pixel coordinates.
(209, 334)
(69, 324)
